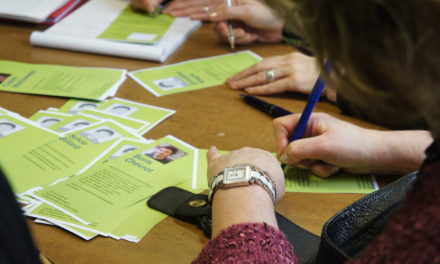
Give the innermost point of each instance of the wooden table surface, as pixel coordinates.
(211, 116)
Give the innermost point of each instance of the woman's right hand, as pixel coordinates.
(330, 144)
(252, 22)
(147, 5)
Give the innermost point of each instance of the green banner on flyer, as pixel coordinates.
(138, 27)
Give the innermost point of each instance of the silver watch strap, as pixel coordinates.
(266, 183)
(258, 176)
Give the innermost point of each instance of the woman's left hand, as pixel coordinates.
(258, 157)
(294, 72)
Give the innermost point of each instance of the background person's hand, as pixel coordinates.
(330, 144)
(196, 9)
(147, 5)
(258, 157)
(294, 72)
(252, 22)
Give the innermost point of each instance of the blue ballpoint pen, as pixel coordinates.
(311, 102)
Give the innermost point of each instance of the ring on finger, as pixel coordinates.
(207, 8)
(270, 75)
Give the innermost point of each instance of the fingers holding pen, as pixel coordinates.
(242, 36)
(147, 5)
(196, 9)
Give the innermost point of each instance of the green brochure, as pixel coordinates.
(153, 115)
(85, 234)
(131, 224)
(137, 27)
(25, 199)
(57, 80)
(62, 122)
(138, 225)
(56, 217)
(103, 191)
(74, 106)
(193, 74)
(18, 135)
(49, 119)
(75, 122)
(131, 124)
(298, 180)
(149, 113)
(122, 148)
(62, 157)
(103, 228)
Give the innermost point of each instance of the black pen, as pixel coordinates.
(268, 108)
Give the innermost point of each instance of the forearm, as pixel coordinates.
(249, 204)
(401, 151)
(244, 229)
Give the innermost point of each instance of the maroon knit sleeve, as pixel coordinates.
(248, 243)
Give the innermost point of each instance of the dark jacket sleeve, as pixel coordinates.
(16, 245)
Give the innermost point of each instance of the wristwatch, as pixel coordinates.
(242, 175)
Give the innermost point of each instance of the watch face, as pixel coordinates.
(237, 174)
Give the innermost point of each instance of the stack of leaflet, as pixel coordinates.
(41, 11)
(112, 27)
(56, 80)
(91, 169)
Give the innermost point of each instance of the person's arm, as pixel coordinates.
(244, 226)
(330, 145)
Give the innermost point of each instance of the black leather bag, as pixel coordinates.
(343, 237)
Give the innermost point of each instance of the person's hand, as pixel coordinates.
(252, 22)
(294, 72)
(196, 9)
(330, 144)
(258, 157)
(147, 5)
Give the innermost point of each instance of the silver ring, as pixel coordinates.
(270, 75)
(207, 8)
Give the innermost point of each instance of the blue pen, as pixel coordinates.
(311, 102)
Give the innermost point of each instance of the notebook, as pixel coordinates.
(80, 30)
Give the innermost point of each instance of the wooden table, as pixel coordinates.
(212, 116)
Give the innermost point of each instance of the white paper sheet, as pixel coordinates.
(29, 10)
